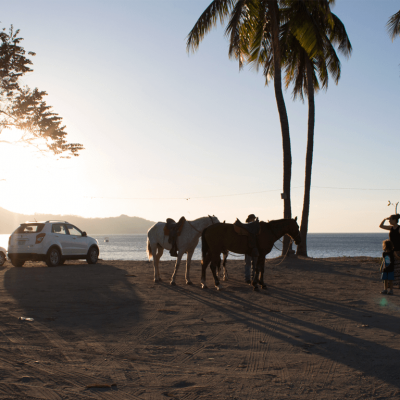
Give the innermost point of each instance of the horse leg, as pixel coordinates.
(178, 261)
(213, 270)
(255, 267)
(262, 267)
(188, 261)
(157, 253)
(204, 264)
(225, 277)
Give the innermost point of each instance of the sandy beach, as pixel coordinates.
(320, 331)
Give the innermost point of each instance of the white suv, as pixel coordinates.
(52, 242)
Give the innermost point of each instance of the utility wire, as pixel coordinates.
(235, 194)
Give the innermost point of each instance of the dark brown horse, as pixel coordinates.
(221, 238)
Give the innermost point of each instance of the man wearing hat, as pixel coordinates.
(248, 264)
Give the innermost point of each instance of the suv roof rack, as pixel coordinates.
(56, 220)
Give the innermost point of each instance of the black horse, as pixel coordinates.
(221, 238)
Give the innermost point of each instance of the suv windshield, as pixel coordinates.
(29, 228)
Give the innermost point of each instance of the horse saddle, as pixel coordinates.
(173, 228)
(250, 229)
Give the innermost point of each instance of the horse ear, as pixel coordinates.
(295, 219)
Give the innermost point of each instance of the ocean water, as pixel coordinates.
(320, 245)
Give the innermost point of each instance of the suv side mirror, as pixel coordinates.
(84, 234)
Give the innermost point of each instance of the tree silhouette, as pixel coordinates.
(25, 109)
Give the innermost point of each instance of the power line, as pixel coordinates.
(234, 194)
(342, 188)
(187, 198)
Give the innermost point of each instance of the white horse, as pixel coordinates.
(157, 241)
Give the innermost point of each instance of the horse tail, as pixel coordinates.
(149, 253)
(204, 247)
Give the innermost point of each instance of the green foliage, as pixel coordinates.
(310, 34)
(24, 108)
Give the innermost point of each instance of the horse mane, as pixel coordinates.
(275, 222)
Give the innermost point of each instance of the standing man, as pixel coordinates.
(248, 264)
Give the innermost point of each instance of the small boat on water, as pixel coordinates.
(106, 240)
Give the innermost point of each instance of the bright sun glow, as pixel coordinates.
(33, 181)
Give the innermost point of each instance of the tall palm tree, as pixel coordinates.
(393, 25)
(308, 33)
(246, 16)
(309, 71)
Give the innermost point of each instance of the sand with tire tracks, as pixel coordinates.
(320, 331)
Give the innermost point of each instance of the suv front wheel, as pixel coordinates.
(92, 255)
(53, 257)
(2, 258)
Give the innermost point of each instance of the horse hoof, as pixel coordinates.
(204, 286)
(189, 283)
(217, 287)
(264, 286)
(255, 288)
(172, 283)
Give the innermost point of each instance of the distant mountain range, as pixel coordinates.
(9, 221)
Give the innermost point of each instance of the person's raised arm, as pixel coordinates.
(383, 226)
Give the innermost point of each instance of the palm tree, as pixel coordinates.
(297, 34)
(245, 17)
(308, 72)
(393, 25)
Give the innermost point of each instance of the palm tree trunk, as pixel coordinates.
(287, 156)
(302, 247)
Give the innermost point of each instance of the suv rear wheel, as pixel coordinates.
(92, 255)
(18, 263)
(53, 257)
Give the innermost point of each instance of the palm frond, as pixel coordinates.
(339, 37)
(393, 25)
(217, 10)
(236, 29)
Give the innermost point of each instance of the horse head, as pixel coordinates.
(283, 227)
(213, 219)
(294, 231)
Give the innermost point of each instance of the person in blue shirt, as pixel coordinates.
(387, 267)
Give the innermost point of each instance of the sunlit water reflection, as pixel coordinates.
(320, 245)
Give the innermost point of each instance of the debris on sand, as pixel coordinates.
(26, 319)
(101, 386)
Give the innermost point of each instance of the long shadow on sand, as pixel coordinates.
(74, 296)
(323, 338)
(357, 270)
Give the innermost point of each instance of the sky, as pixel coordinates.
(161, 126)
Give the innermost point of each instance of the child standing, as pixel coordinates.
(387, 267)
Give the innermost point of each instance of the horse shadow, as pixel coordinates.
(95, 297)
(369, 357)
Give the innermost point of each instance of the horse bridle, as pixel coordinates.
(293, 239)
